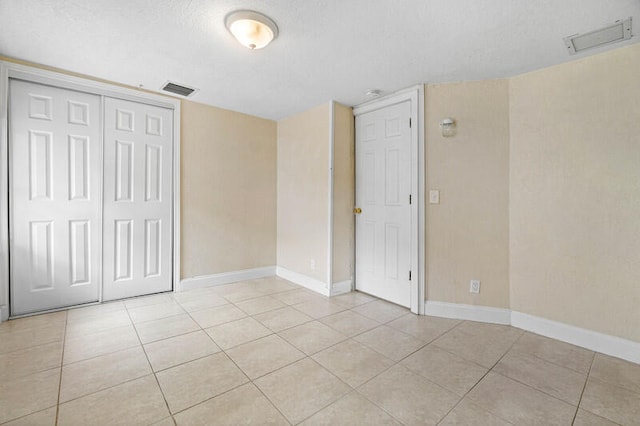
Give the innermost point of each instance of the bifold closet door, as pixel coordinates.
(138, 154)
(54, 197)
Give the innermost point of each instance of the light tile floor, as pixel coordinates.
(268, 352)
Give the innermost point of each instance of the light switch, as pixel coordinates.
(434, 196)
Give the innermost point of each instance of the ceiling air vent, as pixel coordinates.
(619, 31)
(178, 89)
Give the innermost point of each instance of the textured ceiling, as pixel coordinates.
(327, 49)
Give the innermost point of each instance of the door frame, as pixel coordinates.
(9, 70)
(415, 96)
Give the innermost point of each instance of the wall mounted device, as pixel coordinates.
(448, 126)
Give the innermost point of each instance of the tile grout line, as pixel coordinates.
(396, 363)
(350, 389)
(481, 378)
(356, 389)
(552, 362)
(64, 344)
(26, 348)
(265, 395)
(98, 356)
(236, 365)
(533, 388)
(306, 356)
(149, 362)
(539, 390)
(584, 387)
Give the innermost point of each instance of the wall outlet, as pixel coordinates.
(312, 264)
(474, 286)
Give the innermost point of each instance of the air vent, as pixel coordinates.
(619, 31)
(178, 89)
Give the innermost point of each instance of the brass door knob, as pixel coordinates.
(357, 210)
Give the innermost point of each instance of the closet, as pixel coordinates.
(90, 181)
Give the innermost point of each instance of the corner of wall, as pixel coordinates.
(303, 194)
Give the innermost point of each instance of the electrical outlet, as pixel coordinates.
(474, 286)
(312, 264)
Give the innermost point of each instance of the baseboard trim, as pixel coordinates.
(226, 278)
(303, 280)
(588, 339)
(468, 312)
(341, 287)
(593, 340)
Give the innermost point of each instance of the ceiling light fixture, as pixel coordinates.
(373, 93)
(252, 29)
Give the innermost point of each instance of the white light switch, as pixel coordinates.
(434, 196)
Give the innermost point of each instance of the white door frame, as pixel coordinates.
(36, 75)
(415, 95)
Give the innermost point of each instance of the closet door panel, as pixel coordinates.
(138, 157)
(54, 193)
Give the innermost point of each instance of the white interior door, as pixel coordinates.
(138, 155)
(383, 188)
(54, 156)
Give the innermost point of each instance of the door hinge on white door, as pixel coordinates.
(409, 122)
(409, 275)
(409, 198)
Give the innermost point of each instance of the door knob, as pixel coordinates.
(357, 210)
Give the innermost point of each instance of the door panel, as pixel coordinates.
(137, 200)
(54, 147)
(383, 186)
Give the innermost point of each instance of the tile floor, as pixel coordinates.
(269, 352)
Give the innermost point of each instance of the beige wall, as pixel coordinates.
(575, 193)
(467, 233)
(303, 191)
(343, 193)
(228, 166)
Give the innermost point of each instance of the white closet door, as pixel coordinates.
(383, 185)
(54, 155)
(138, 153)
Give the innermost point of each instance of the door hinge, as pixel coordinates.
(409, 275)
(409, 198)
(409, 122)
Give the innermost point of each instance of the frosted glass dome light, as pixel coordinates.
(252, 29)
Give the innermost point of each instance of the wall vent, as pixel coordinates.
(178, 89)
(619, 31)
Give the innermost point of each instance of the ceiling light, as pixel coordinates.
(619, 31)
(252, 29)
(373, 93)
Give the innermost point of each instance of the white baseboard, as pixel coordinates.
(303, 280)
(341, 287)
(468, 312)
(226, 278)
(4, 312)
(599, 342)
(592, 340)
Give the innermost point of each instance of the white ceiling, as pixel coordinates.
(327, 49)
